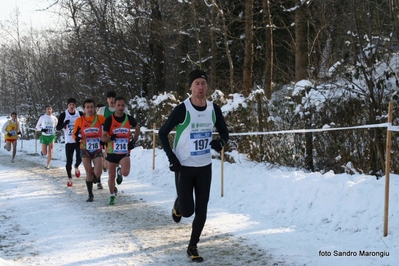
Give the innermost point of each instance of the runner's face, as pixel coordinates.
(89, 109)
(49, 111)
(111, 101)
(199, 88)
(13, 117)
(120, 107)
(71, 107)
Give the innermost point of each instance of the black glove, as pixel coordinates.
(130, 146)
(112, 137)
(9, 134)
(66, 122)
(78, 139)
(217, 144)
(44, 130)
(174, 164)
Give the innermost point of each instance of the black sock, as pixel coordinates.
(89, 185)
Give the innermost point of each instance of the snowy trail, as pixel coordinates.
(56, 226)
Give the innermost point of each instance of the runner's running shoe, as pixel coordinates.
(119, 178)
(47, 167)
(70, 183)
(99, 186)
(192, 252)
(175, 212)
(77, 172)
(112, 200)
(90, 199)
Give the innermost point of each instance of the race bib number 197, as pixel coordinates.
(199, 143)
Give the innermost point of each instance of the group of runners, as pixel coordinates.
(101, 139)
(189, 156)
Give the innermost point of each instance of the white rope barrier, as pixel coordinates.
(292, 131)
(390, 127)
(309, 130)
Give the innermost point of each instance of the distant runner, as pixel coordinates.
(11, 129)
(47, 125)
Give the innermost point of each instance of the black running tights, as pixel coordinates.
(70, 148)
(189, 182)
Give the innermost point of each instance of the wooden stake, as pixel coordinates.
(35, 141)
(153, 147)
(222, 171)
(387, 169)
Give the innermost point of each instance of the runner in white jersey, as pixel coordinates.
(190, 158)
(66, 122)
(47, 125)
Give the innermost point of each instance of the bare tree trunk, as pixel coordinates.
(226, 46)
(182, 87)
(301, 64)
(157, 50)
(212, 74)
(301, 44)
(197, 37)
(249, 48)
(269, 50)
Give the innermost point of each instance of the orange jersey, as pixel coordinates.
(90, 129)
(122, 131)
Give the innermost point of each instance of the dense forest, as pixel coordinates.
(256, 51)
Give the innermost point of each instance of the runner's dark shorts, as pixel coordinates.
(91, 155)
(116, 158)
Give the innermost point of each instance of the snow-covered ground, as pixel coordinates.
(267, 216)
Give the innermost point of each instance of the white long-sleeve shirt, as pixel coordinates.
(48, 122)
